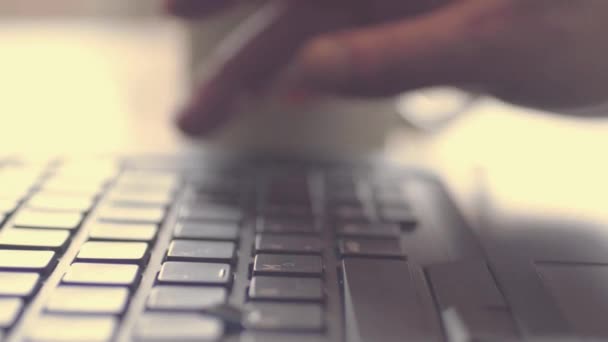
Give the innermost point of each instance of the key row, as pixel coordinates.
(260, 317)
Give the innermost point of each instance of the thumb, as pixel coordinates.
(437, 48)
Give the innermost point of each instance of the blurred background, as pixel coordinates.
(89, 76)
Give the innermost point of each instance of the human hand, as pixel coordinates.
(548, 53)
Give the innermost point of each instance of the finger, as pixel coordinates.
(438, 48)
(195, 8)
(249, 57)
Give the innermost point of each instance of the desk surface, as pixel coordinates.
(85, 86)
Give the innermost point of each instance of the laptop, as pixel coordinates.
(241, 248)
(205, 246)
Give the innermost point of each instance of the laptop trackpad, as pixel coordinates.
(581, 293)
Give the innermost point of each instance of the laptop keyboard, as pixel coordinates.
(100, 250)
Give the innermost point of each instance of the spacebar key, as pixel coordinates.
(380, 302)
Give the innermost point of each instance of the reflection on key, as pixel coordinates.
(297, 265)
(285, 317)
(72, 328)
(370, 248)
(469, 288)
(381, 302)
(211, 212)
(185, 298)
(286, 226)
(297, 244)
(286, 289)
(201, 251)
(207, 231)
(174, 272)
(367, 230)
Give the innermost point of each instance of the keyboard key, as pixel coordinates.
(381, 302)
(101, 274)
(178, 327)
(367, 230)
(154, 215)
(160, 180)
(89, 300)
(8, 205)
(195, 198)
(71, 328)
(37, 261)
(349, 212)
(370, 248)
(282, 288)
(122, 252)
(140, 197)
(185, 298)
(59, 203)
(207, 231)
(389, 189)
(344, 192)
(46, 219)
(285, 317)
(287, 188)
(281, 337)
(123, 232)
(391, 199)
(34, 238)
(226, 181)
(16, 284)
(285, 226)
(9, 311)
(343, 195)
(214, 194)
(297, 244)
(211, 212)
(175, 272)
(72, 187)
(287, 210)
(288, 192)
(296, 265)
(469, 288)
(91, 170)
(403, 216)
(201, 251)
